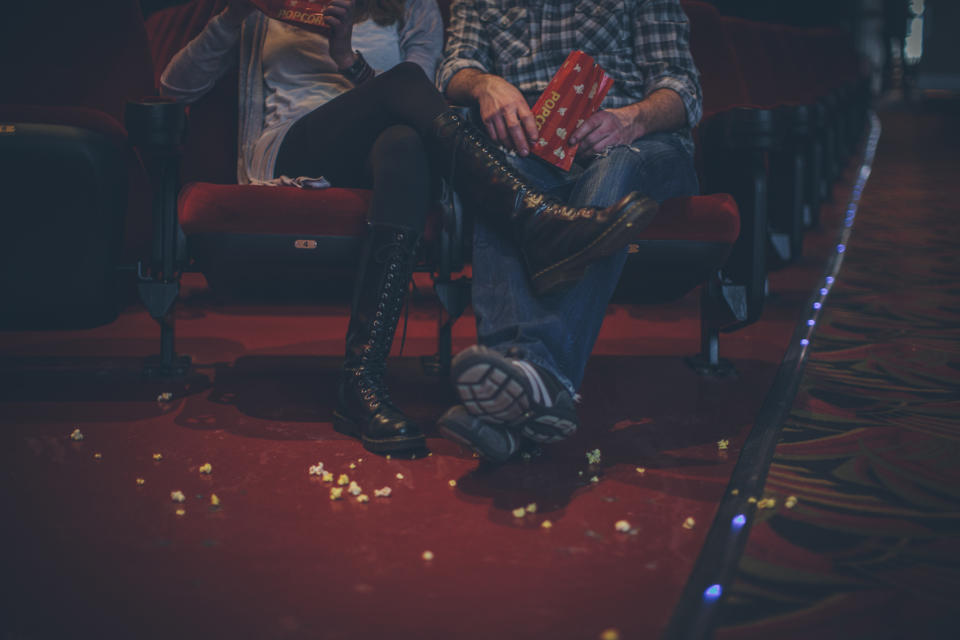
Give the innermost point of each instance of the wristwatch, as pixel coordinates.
(359, 72)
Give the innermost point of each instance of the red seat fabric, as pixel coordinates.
(217, 208)
(91, 54)
(712, 218)
(721, 81)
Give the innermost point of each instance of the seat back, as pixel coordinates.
(60, 53)
(210, 147)
(721, 80)
(69, 183)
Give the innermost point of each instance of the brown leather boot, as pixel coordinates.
(557, 242)
(365, 410)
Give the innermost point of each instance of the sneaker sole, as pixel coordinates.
(456, 433)
(495, 391)
(633, 219)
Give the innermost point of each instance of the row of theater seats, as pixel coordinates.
(88, 195)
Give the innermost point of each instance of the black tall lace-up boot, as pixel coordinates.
(365, 410)
(557, 242)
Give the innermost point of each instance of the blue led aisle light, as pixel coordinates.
(713, 592)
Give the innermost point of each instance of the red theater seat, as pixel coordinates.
(242, 235)
(73, 194)
(310, 231)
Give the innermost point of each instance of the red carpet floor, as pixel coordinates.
(94, 546)
(871, 451)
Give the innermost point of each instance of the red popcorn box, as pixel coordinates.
(573, 95)
(302, 13)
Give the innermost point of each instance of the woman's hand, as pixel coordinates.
(339, 20)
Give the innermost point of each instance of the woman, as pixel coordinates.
(312, 105)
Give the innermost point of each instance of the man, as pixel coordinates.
(521, 380)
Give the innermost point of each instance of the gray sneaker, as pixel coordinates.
(490, 442)
(515, 393)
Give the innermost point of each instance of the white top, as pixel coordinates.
(286, 72)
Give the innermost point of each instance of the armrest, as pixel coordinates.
(156, 127)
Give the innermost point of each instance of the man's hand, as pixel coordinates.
(505, 113)
(608, 128)
(662, 110)
(339, 20)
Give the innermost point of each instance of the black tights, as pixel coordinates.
(372, 137)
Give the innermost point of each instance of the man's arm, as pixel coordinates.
(464, 77)
(666, 71)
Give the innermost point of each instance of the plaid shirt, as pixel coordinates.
(642, 44)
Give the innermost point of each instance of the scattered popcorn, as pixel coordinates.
(641, 470)
(546, 524)
(593, 457)
(427, 555)
(610, 634)
(363, 498)
(158, 456)
(594, 479)
(177, 496)
(214, 500)
(735, 492)
(141, 482)
(580, 473)
(343, 479)
(429, 454)
(790, 502)
(327, 476)
(316, 469)
(752, 500)
(689, 523)
(382, 493)
(181, 512)
(767, 503)
(206, 468)
(723, 444)
(354, 489)
(452, 483)
(519, 512)
(532, 507)
(336, 493)
(399, 476)
(622, 526)
(353, 465)
(166, 396)
(359, 460)
(76, 435)
(98, 456)
(388, 456)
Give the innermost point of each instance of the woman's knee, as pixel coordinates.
(400, 143)
(406, 74)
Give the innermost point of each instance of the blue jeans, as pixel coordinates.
(557, 331)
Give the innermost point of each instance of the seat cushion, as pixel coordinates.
(688, 241)
(712, 218)
(219, 208)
